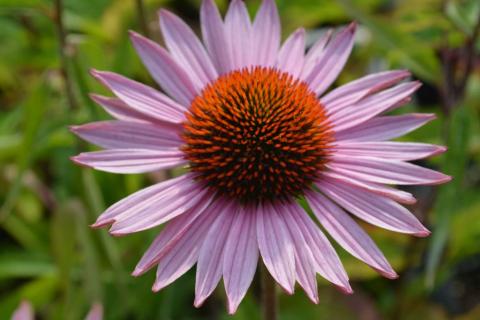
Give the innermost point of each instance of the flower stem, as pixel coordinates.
(62, 36)
(269, 295)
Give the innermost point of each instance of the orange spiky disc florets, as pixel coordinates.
(257, 135)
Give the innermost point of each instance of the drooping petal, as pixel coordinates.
(131, 160)
(138, 199)
(142, 98)
(328, 264)
(352, 92)
(240, 257)
(315, 53)
(276, 247)
(166, 72)
(305, 267)
(384, 128)
(378, 210)
(371, 106)
(292, 54)
(215, 37)
(266, 34)
(348, 234)
(154, 205)
(239, 34)
(379, 170)
(404, 151)
(120, 110)
(128, 135)
(210, 260)
(177, 202)
(331, 61)
(173, 232)
(186, 48)
(389, 192)
(184, 253)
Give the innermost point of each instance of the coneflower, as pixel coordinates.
(254, 126)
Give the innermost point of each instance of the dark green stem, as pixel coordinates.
(269, 295)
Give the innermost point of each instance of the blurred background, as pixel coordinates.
(49, 255)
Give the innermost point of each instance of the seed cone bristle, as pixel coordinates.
(257, 135)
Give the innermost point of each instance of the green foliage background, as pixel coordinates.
(50, 256)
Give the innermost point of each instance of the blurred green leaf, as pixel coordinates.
(413, 55)
(34, 108)
(25, 265)
(464, 14)
(450, 195)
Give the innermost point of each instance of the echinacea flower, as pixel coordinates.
(252, 123)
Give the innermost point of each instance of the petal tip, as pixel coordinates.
(423, 233)
(133, 34)
(352, 27)
(232, 307)
(156, 287)
(76, 160)
(101, 223)
(74, 128)
(198, 302)
(97, 74)
(445, 179)
(346, 290)
(137, 272)
(440, 150)
(389, 275)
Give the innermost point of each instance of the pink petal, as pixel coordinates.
(240, 257)
(154, 205)
(215, 36)
(176, 203)
(315, 53)
(292, 54)
(348, 234)
(371, 106)
(386, 171)
(131, 160)
(184, 253)
(166, 72)
(405, 151)
(239, 34)
(392, 193)
(24, 312)
(384, 128)
(210, 260)
(119, 109)
(327, 262)
(377, 210)
(186, 49)
(276, 247)
(142, 198)
(128, 135)
(332, 59)
(305, 266)
(142, 98)
(95, 313)
(266, 34)
(354, 91)
(173, 232)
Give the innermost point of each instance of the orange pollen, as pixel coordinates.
(257, 135)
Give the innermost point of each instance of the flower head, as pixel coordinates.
(252, 123)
